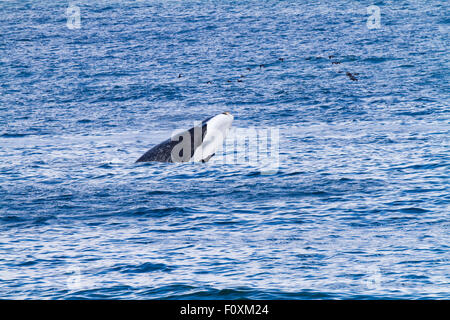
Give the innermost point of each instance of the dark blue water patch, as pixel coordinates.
(84, 121)
(155, 212)
(28, 263)
(13, 135)
(425, 166)
(142, 268)
(413, 210)
(162, 192)
(404, 203)
(11, 219)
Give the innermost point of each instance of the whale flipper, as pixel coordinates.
(208, 157)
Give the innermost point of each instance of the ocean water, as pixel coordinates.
(356, 208)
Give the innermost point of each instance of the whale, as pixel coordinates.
(197, 144)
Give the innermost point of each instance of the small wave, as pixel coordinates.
(12, 219)
(142, 268)
(84, 121)
(413, 210)
(155, 212)
(13, 135)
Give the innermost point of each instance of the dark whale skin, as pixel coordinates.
(163, 151)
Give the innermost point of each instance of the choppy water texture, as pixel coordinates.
(359, 207)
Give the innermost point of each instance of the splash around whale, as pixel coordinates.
(198, 144)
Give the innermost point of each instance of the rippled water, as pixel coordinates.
(359, 205)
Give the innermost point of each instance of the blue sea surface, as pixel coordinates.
(358, 207)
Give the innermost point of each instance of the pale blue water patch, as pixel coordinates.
(357, 208)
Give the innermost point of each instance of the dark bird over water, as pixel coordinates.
(335, 62)
(261, 66)
(281, 59)
(249, 69)
(330, 57)
(179, 75)
(352, 77)
(239, 80)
